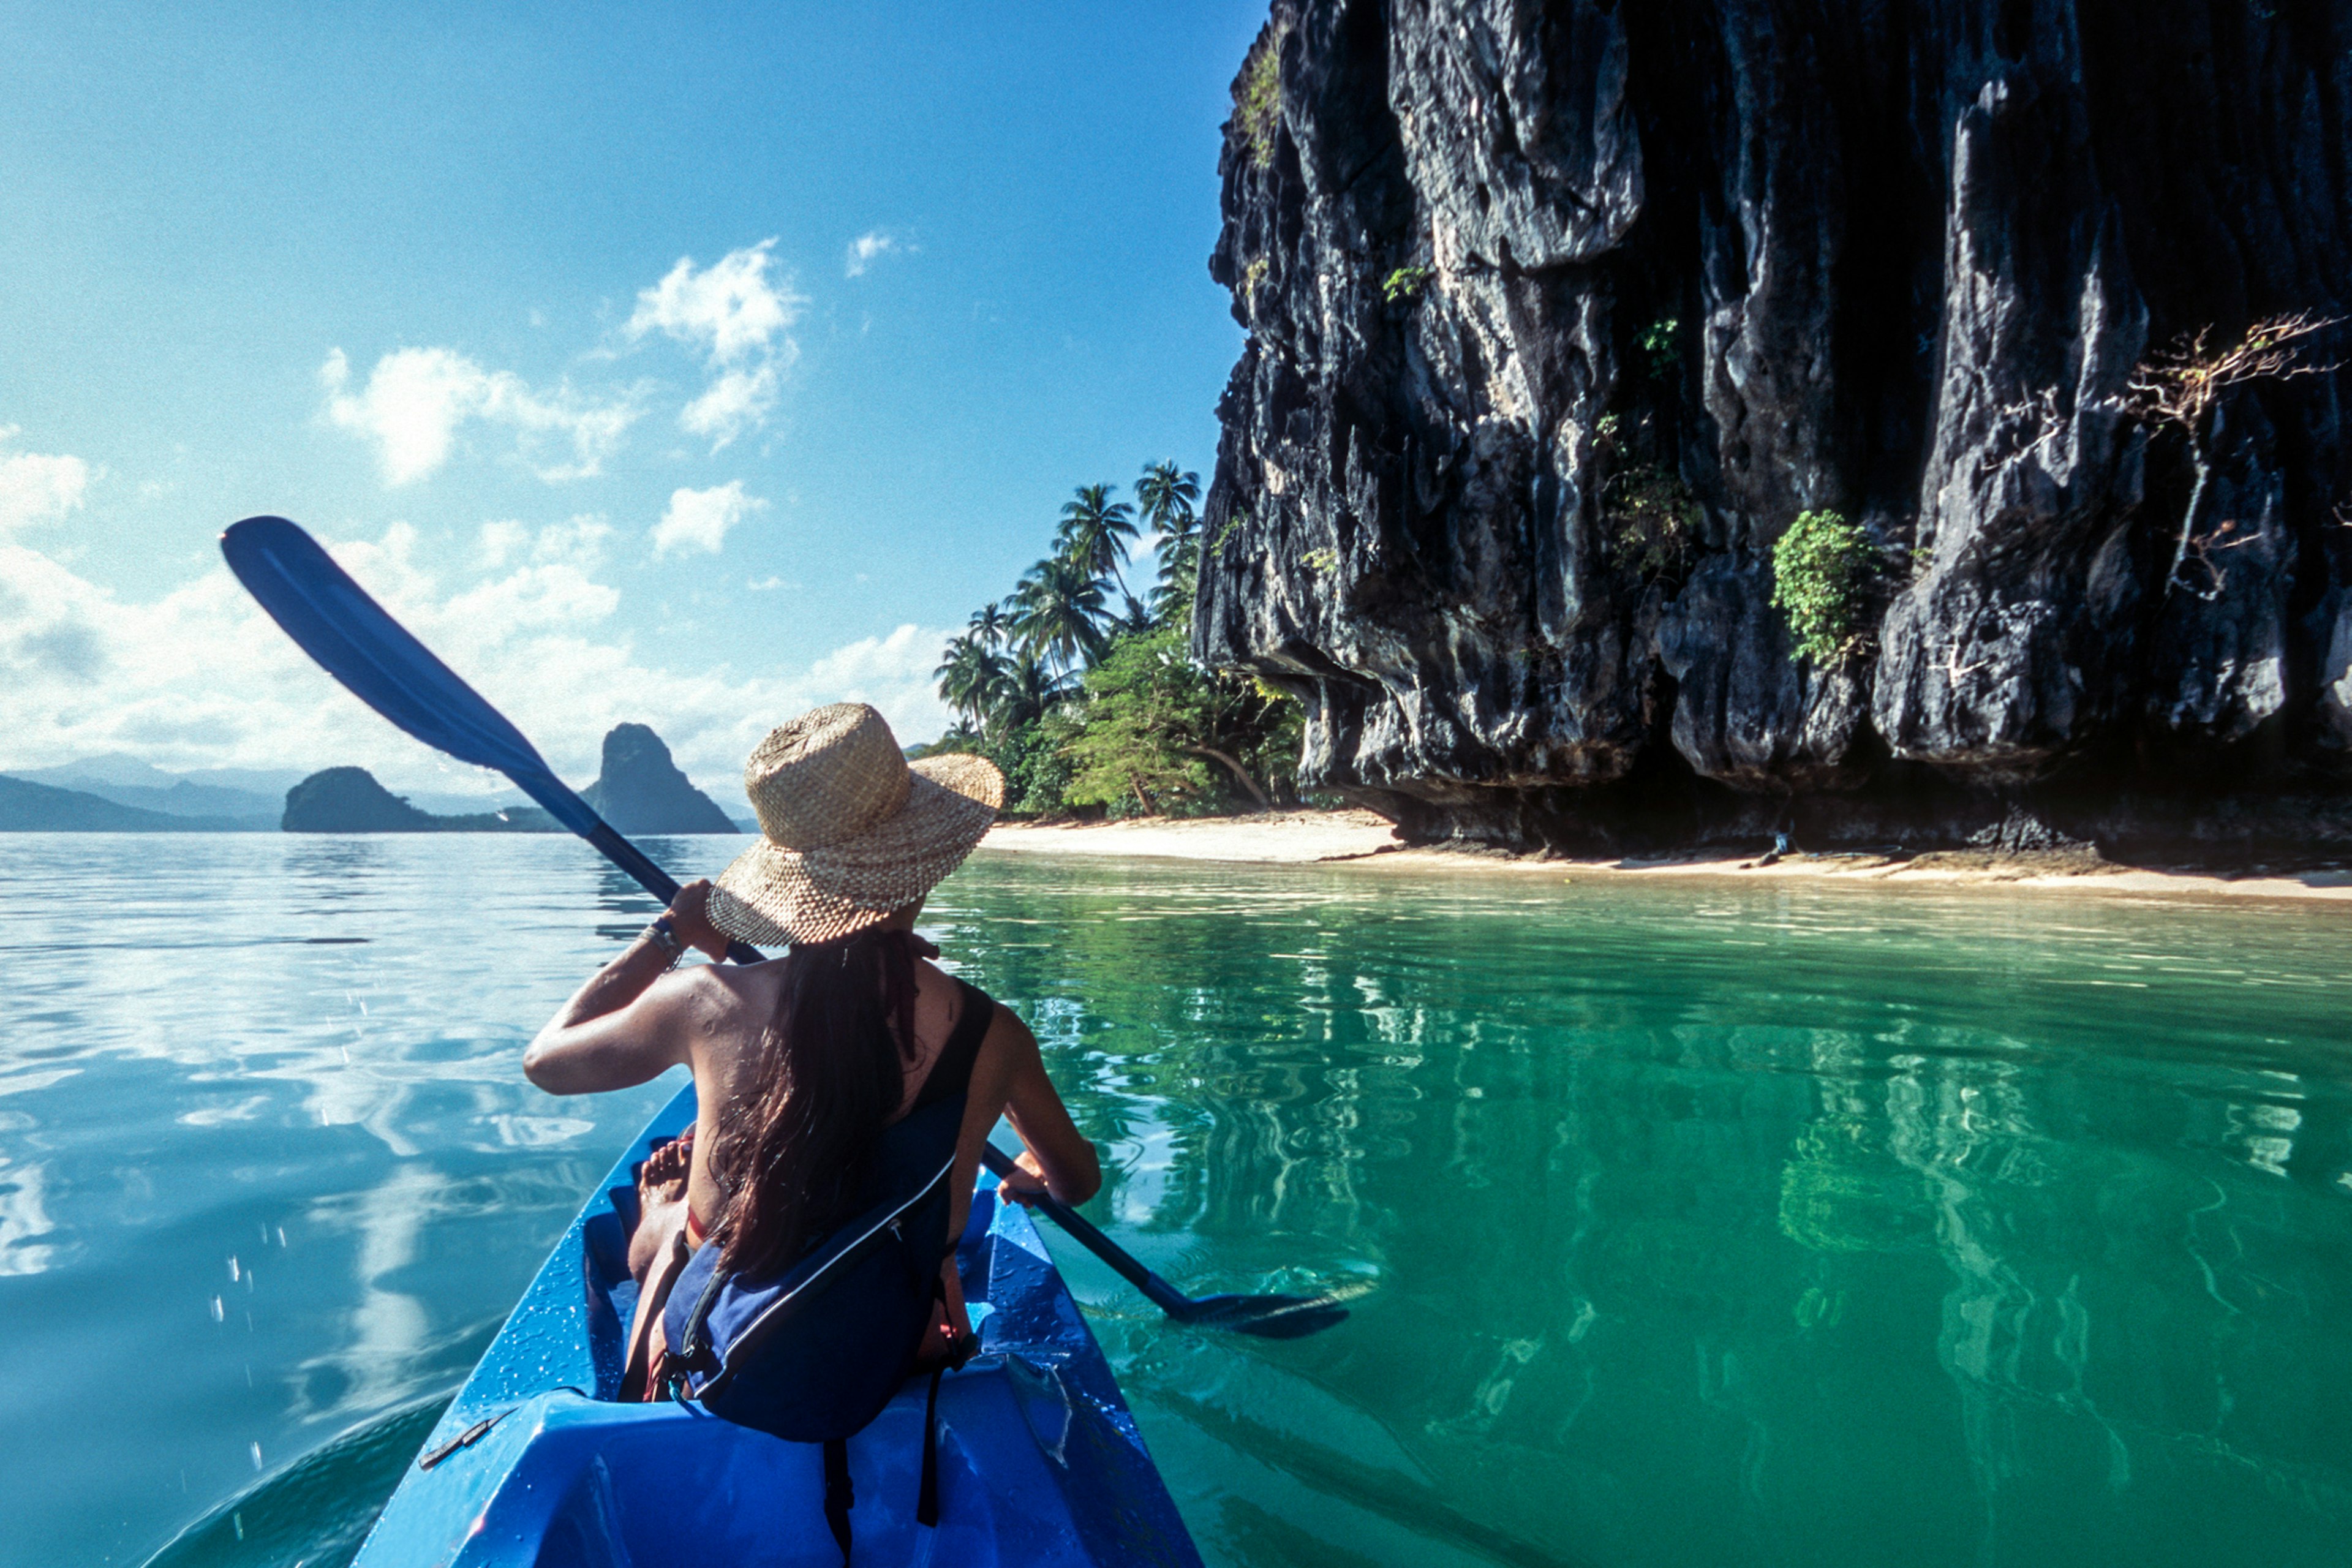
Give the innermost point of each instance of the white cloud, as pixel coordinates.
(739, 318)
(878, 664)
(200, 677)
(868, 248)
(738, 399)
(416, 399)
(699, 520)
(35, 488)
(730, 309)
(575, 542)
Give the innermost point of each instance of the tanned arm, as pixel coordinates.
(1058, 1158)
(633, 1020)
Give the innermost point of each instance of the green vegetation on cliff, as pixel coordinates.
(1822, 572)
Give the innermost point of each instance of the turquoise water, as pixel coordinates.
(1687, 1223)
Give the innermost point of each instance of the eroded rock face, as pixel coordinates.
(641, 789)
(1508, 267)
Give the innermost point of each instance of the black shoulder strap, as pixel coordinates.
(951, 1073)
(840, 1497)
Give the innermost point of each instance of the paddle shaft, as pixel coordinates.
(1164, 1296)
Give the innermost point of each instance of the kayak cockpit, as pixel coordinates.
(1039, 1460)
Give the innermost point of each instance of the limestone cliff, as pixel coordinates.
(641, 789)
(1561, 313)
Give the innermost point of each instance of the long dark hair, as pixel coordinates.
(792, 1147)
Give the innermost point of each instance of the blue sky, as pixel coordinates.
(557, 324)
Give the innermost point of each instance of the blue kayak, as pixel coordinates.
(1040, 1463)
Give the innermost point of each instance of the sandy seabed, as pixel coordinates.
(1362, 838)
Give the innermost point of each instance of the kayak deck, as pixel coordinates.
(1039, 1459)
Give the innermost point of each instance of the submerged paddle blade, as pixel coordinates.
(1271, 1317)
(357, 642)
(1268, 1317)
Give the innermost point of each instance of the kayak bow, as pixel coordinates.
(534, 1462)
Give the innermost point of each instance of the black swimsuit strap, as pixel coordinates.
(951, 1073)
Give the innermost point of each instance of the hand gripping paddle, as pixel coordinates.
(332, 619)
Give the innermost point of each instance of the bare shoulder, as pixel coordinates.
(723, 997)
(1006, 1028)
(1008, 1048)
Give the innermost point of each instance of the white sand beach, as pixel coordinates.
(1363, 838)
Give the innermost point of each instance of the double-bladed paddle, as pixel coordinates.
(354, 639)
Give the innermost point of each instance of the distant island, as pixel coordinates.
(639, 790)
(350, 800)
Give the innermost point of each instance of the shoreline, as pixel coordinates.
(1361, 838)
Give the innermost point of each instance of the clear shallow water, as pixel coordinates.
(1694, 1224)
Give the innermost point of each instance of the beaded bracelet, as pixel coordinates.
(664, 936)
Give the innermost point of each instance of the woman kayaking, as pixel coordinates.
(802, 1063)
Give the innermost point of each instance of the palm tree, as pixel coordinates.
(968, 675)
(1058, 611)
(964, 736)
(991, 625)
(1024, 691)
(1180, 570)
(1096, 531)
(1165, 496)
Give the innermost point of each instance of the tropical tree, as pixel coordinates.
(1133, 621)
(991, 624)
(1025, 691)
(1096, 531)
(1165, 496)
(961, 736)
(1179, 569)
(1153, 720)
(969, 674)
(1058, 612)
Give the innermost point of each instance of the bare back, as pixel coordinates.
(725, 1059)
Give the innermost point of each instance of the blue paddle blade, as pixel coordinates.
(352, 638)
(356, 641)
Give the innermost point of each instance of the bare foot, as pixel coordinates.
(662, 1178)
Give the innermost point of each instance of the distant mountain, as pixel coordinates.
(641, 789)
(185, 799)
(271, 782)
(449, 803)
(29, 808)
(348, 800)
(114, 774)
(112, 769)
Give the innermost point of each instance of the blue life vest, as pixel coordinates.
(813, 1352)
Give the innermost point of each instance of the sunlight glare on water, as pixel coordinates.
(1685, 1223)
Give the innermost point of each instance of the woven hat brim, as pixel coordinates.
(771, 894)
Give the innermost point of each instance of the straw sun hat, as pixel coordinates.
(850, 829)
